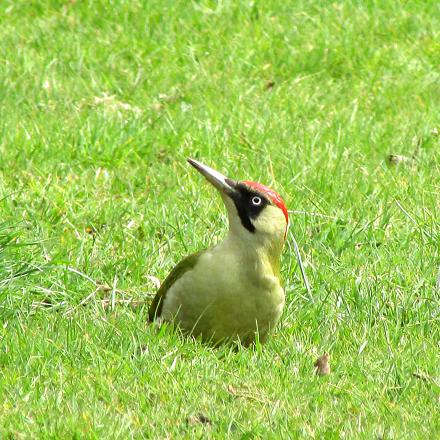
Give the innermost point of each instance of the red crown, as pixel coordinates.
(273, 196)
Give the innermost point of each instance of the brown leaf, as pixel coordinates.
(396, 159)
(157, 106)
(112, 104)
(201, 418)
(90, 230)
(322, 365)
(232, 390)
(47, 302)
(270, 85)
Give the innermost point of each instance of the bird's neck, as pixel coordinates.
(261, 254)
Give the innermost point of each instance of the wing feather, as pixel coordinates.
(184, 266)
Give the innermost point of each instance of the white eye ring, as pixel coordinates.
(256, 201)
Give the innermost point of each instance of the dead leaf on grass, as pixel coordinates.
(90, 230)
(113, 105)
(270, 85)
(232, 390)
(103, 287)
(396, 159)
(198, 418)
(322, 365)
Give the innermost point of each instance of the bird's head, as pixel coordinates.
(256, 213)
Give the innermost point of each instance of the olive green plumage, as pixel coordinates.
(184, 266)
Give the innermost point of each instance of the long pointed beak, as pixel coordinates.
(221, 182)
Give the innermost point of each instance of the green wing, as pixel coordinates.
(184, 266)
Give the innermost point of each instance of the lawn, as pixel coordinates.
(336, 105)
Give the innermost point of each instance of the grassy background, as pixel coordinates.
(100, 104)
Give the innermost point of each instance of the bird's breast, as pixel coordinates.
(225, 296)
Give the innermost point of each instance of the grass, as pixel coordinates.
(100, 106)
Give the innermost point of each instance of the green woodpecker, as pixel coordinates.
(232, 290)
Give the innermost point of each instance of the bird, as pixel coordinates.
(230, 292)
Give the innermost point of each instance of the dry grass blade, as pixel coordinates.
(301, 266)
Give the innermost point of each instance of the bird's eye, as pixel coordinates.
(256, 201)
